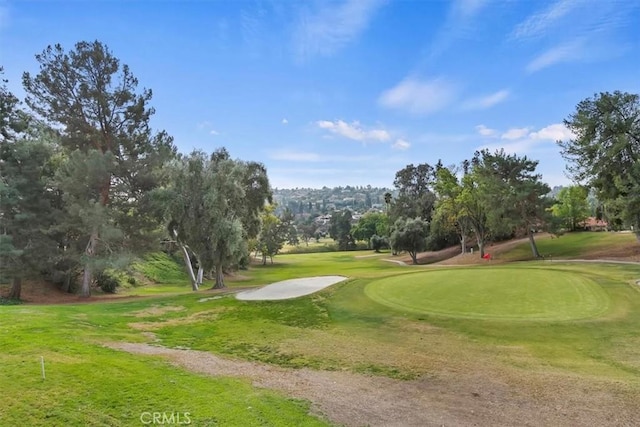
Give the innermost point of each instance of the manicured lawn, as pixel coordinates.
(494, 293)
(584, 327)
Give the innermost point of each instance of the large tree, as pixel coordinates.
(27, 209)
(572, 206)
(211, 206)
(515, 192)
(415, 196)
(409, 234)
(449, 213)
(92, 99)
(340, 229)
(370, 224)
(273, 234)
(27, 202)
(605, 152)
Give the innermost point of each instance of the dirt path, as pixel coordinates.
(450, 399)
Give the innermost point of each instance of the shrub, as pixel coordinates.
(107, 282)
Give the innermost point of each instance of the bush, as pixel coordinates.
(379, 242)
(107, 282)
(9, 301)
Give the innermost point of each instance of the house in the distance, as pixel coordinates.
(594, 224)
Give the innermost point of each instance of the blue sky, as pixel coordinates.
(348, 92)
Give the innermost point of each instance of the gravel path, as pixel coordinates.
(450, 399)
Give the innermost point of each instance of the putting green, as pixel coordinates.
(493, 293)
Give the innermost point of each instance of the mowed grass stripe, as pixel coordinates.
(493, 293)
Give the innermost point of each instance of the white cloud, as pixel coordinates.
(553, 132)
(485, 131)
(487, 101)
(567, 52)
(214, 132)
(537, 24)
(285, 121)
(401, 144)
(515, 133)
(325, 31)
(311, 157)
(419, 96)
(523, 140)
(354, 130)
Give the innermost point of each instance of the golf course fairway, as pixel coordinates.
(493, 293)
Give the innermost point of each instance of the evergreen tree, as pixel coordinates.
(92, 99)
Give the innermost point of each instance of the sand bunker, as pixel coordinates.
(292, 288)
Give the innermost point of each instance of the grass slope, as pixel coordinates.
(577, 245)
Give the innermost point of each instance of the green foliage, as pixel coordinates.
(10, 301)
(415, 196)
(114, 160)
(211, 205)
(606, 150)
(409, 235)
(370, 224)
(340, 230)
(272, 236)
(571, 206)
(28, 207)
(107, 282)
(379, 242)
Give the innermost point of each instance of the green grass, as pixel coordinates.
(494, 293)
(585, 330)
(89, 385)
(570, 245)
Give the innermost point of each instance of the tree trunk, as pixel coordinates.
(16, 288)
(414, 257)
(463, 243)
(219, 278)
(200, 274)
(534, 247)
(66, 286)
(480, 246)
(187, 261)
(85, 289)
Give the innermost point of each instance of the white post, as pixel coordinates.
(42, 364)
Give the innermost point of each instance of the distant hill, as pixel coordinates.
(316, 201)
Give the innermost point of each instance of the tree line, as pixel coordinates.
(495, 195)
(86, 185)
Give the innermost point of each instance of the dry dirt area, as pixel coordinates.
(445, 399)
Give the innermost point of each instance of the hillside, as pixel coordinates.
(582, 245)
